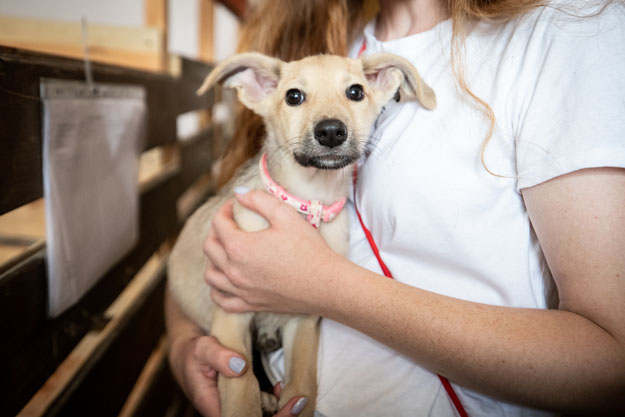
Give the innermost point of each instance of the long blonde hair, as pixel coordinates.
(293, 29)
(463, 14)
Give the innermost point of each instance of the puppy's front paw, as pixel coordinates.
(240, 396)
(269, 402)
(267, 342)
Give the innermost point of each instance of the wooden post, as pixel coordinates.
(206, 46)
(156, 12)
(206, 32)
(156, 16)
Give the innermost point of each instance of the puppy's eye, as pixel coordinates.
(355, 92)
(294, 97)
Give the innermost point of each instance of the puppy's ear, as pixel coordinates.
(389, 74)
(254, 75)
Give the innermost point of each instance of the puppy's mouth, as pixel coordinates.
(328, 161)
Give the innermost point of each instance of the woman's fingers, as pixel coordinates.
(211, 354)
(264, 204)
(204, 395)
(218, 281)
(293, 407)
(277, 389)
(230, 303)
(253, 271)
(223, 225)
(205, 358)
(214, 250)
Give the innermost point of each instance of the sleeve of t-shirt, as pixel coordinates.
(570, 95)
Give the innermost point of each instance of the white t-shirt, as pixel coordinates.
(443, 223)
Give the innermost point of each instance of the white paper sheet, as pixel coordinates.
(91, 146)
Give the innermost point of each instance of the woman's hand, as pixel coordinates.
(196, 360)
(276, 269)
(196, 363)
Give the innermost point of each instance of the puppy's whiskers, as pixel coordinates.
(382, 153)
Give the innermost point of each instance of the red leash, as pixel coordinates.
(450, 390)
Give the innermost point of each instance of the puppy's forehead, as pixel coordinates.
(328, 68)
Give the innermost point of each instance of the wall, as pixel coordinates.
(226, 27)
(110, 12)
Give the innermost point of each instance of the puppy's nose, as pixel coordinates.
(330, 132)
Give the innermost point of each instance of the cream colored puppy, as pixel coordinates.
(318, 113)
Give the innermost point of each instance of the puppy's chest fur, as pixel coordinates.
(334, 233)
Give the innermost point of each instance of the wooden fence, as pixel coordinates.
(105, 355)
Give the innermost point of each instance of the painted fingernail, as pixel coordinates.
(298, 407)
(236, 364)
(282, 385)
(241, 190)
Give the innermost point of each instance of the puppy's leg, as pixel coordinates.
(300, 341)
(270, 403)
(239, 396)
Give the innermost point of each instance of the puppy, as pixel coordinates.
(318, 113)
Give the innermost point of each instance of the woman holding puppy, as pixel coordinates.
(501, 215)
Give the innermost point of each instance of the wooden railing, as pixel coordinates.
(106, 354)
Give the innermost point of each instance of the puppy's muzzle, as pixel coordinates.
(330, 148)
(330, 132)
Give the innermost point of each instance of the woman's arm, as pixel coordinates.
(567, 359)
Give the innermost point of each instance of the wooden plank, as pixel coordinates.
(195, 195)
(93, 346)
(206, 34)
(35, 346)
(20, 112)
(158, 162)
(14, 240)
(22, 233)
(24, 254)
(148, 377)
(194, 72)
(103, 390)
(191, 78)
(156, 16)
(28, 221)
(196, 157)
(160, 396)
(118, 45)
(20, 140)
(23, 295)
(27, 30)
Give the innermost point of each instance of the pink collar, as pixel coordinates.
(314, 210)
